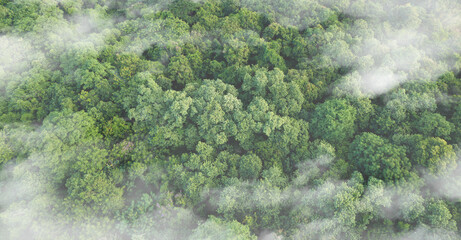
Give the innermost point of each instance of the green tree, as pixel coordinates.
(374, 156)
(179, 71)
(434, 125)
(250, 166)
(90, 188)
(185, 10)
(456, 120)
(438, 215)
(236, 52)
(6, 153)
(333, 121)
(435, 155)
(215, 228)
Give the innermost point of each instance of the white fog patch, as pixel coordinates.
(425, 233)
(412, 52)
(16, 56)
(447, 186)
(80, 29)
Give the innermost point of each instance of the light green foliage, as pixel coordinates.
(365, 110)
(6, 154)
(89, 187)
(448, 83)
(236, 52)
(285, 98)
(215, 103)
(333, 210)
(270, 56)
(433, 154)
(438, 215)
(30, 96)
(275, 177)
(62, 135)
(309, 90)
(215, 228)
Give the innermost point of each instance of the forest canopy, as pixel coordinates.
(230, 119)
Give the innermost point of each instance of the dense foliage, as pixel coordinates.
(230, 119)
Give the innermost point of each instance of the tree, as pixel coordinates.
(275, 177)
(185, 10)
(448, 83)
(270, 58)
(374, 156)
(6, 153)
(383, 122)
(196, 174)
(62, 134)
(309, 90)
(333, 121)
(176, 119)
(437, 215)
(212, 110)
(5, 16)
(435, 155)
(31, 96)
(90, 188)
(365, 110)
(250, 20)
(250, 166)
(180, 71)
(236, 52)
(434, 125)
(255, 86)
(412, 208)
(116, 128)
(286, 97)
(215, 228)
(456, 120)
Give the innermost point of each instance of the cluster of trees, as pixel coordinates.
(224, 119)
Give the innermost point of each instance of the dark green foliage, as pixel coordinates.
(375, 157)
(434, 124)
(334, 121)
(185, 10)
(456, 120)
(448, 83)
(180, 71)
(250, 166)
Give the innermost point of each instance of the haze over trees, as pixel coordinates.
(230, 119)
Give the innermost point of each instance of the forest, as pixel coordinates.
(230, 119)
